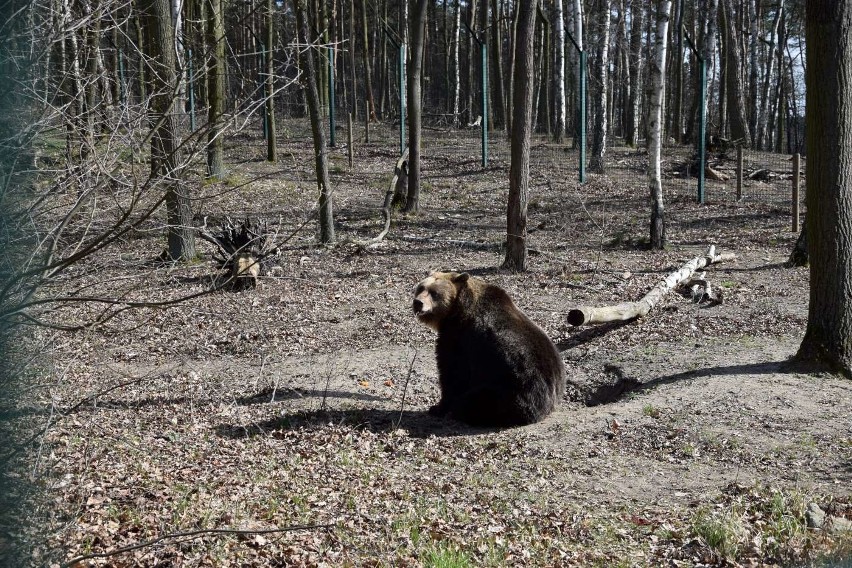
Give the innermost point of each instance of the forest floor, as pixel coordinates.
(301, 404)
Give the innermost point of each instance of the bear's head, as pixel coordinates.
(435, 296)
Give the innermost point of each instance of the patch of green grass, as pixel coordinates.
(785, 519)
(446, 555)
(722, 531)
(689, 450)
(651, 410)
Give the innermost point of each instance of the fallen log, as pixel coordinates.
(715, 174)
(586, 315)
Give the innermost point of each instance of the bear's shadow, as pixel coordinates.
(418, 424)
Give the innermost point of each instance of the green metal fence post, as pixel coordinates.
(582, 93)
(483, 53)
(702, 129)
(331, 101)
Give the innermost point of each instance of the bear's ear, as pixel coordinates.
(461, 278)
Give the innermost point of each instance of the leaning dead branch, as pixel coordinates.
(241, 249)
(396, 191)
(588, 315)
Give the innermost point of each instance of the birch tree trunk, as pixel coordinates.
(519, 170)
(658, 225)
(600, 131)
(559, 79)
(578, 37)
(471, 63)
(455, 58)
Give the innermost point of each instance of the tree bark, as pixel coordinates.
(655, 112)
(519, 170)
(599, 139)
(415, 104)
(495, 72)
(368, 74)
(163, 118)
(271, 141)
(735, 91)
(326, 218)
(561, 104)
(215, 89)
(762, 128)
(578, 37)
(828, 76)
(456, 69)
(631, 131)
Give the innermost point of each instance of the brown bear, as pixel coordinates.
(495, 366)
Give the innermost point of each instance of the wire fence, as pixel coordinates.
(765, 177)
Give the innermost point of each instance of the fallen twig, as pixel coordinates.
(185, 534)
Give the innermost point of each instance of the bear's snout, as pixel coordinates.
(417, 305)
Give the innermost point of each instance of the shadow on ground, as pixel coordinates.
(417, 424)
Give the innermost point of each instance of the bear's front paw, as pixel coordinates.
(439, 409)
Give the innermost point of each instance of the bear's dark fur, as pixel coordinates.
(495, 366)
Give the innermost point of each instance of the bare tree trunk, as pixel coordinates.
(735, 91)
(483, 27)
(93, 37)
(215, 89)
(496, 72)
(578, 37)
(709, 49)
(781, 91)
(762, 129)
(326, 217)
(368, 74)
(658, 224)
(140, 41)
(455, 58)
(637, 16)
(599, 139)
(509, 110)
(677, 119)
(754, 66)
(828, 338)
(415, 104)
(471, 63)
(271, 141)
(164, 139)
(561, 105)
(519, 171)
